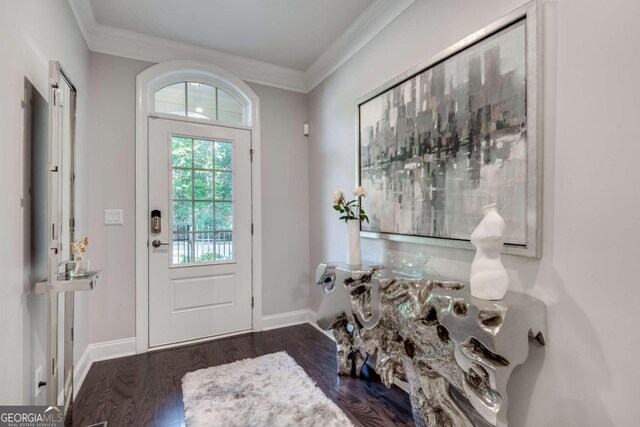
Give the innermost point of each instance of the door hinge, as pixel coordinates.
(251, 153)
(252, 229)
(72, 334)
(251, 302)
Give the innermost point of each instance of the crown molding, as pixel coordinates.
(373, 20)
(85, 17)
(115, 41)
(129, 44)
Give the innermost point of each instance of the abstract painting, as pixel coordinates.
(437, 146)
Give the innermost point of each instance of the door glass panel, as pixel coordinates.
(205, 247)
(224, 155)
(202, 196)
(182, 216)
(224, 186)
(223, 245)
(203, 155)
(203, 185)
(203, 216)
(182, 248)
(224, 216)
(182, 184)
(181, 152)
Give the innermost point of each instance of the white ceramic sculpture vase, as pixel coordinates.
(489, 280)
(354, 255)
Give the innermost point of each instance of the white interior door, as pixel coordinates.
(200, 259)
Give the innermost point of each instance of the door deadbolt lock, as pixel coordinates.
(156, 221)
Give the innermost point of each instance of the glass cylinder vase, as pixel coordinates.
(77, 268)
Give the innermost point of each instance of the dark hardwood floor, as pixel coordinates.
(145, 389)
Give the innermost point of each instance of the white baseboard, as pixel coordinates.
(97, 352)
(81, 369)
(112, 349)
(291, 318)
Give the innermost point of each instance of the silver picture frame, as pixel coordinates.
(533, 246)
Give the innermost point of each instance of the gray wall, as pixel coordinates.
(32, 33)
(112, 184)
(587, 374)
(285, 202)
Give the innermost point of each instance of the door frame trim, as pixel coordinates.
(147, 83)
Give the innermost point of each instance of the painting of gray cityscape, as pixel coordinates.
(437, 147)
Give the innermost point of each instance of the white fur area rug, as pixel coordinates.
(271, 390)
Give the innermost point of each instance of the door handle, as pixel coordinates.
(157, 243)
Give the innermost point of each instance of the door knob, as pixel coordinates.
(157, 243)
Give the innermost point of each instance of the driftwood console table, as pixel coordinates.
(456, 352)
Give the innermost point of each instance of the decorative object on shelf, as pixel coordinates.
(489, 278)
(435, 336)
(453, 134)
(78, 267)
(412, 264)
(352, 214)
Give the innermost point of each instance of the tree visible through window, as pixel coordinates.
(202, 197)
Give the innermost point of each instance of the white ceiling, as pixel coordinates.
(289, 33)
(289, 44)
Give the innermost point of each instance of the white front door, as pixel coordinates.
(200, 259)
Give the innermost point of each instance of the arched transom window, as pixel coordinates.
(199, 101)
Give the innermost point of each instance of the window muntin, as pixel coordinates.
(199, 100)
(202, 200)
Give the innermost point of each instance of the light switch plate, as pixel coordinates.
(113, 217)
